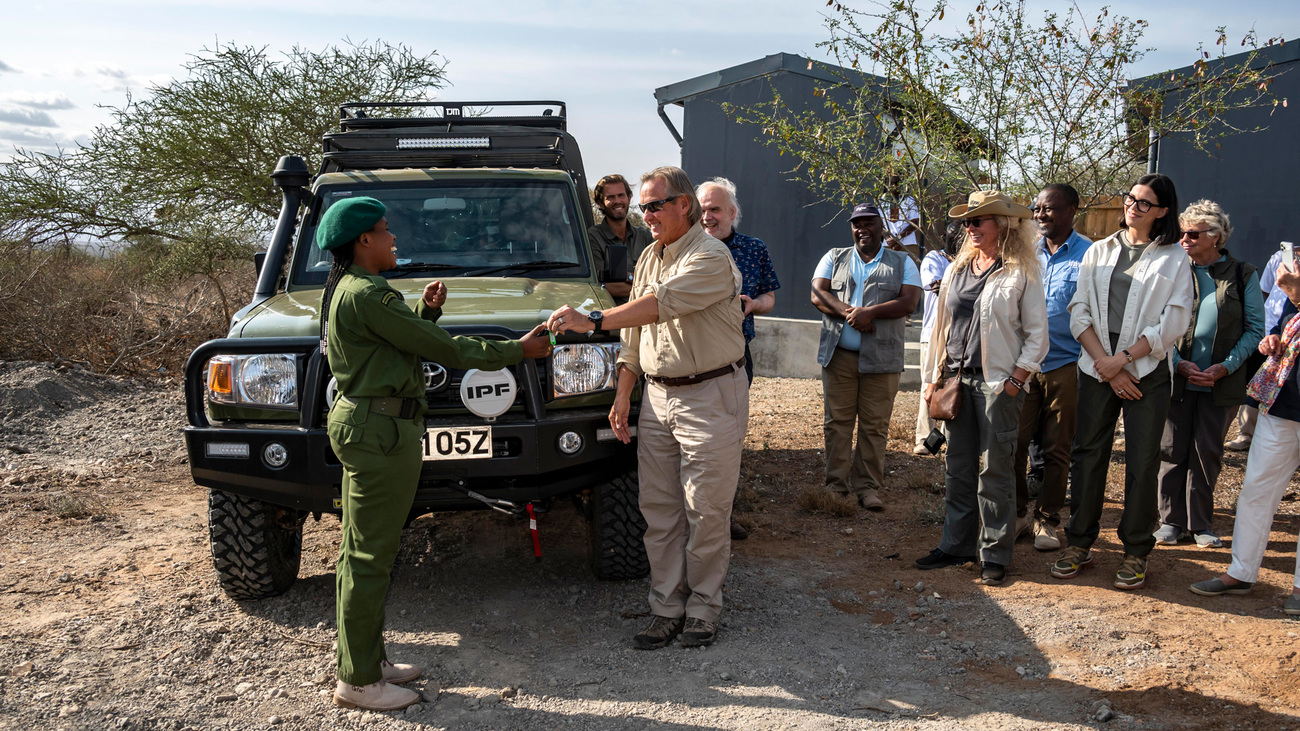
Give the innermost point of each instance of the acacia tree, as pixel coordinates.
(1002, 101)
(187, 163)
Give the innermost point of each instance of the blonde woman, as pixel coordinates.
(991, 325)
(1133, 303)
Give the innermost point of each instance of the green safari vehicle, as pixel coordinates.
(489, 197)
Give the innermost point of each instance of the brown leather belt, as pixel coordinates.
(699, 377)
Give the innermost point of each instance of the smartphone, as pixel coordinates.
(935, 441)
(1289, 260)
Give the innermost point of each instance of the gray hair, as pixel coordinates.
(725, 186)
(678, 185)
(1209, 213)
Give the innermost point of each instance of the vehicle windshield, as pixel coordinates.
(458, 228)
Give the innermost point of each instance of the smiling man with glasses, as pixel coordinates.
(682, 331)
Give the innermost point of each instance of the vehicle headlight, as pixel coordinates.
(583, 368)
(266, 380)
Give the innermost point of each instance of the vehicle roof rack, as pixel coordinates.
(458, 135)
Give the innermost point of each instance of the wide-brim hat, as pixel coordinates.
(990, 203)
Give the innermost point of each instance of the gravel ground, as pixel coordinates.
(111, 618)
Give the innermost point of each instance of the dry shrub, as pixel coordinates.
(106, 312)
(930, 511)
(821, 500)
(67, 505)
(902, 430)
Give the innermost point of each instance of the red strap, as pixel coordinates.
(532, 528)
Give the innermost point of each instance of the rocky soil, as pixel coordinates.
(111, 618)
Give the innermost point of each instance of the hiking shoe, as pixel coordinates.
(1169, 535)
(1024, 525)
(1132, 573)
(1207, 539)
(738, 531)
(378, 696)
(993, 574)
(1292, 605)
(1240, 444)
(698, 632)
(920, 450)
(658, 633)
(1216, 587)
(937, 559)
(1045, 536)
(869, 500)
(1071, 562)
(399, 672)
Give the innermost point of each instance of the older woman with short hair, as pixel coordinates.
(1209, 380)
(991, 328)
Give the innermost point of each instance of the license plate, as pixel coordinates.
(458, 442)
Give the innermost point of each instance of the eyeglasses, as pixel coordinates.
(1141, 205)
(976, 222)
(656, 206)
(1195, 235)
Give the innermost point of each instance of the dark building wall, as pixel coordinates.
(1254, 177)
(783, 213)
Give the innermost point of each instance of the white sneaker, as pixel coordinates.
(1045, 536)
(1024, 525)
(399, 672)
(1240, 444)
(378, 696)
(920, 450)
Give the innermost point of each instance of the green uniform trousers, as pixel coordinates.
(381, 459)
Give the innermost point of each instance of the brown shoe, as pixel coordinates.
(658, 633)
(378, 696)
(738, 531)
(399, 672)
(699, 633)
(870, 500)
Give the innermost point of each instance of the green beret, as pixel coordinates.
(346, 220)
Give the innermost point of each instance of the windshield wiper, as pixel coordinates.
(419, 266)
(524, 266)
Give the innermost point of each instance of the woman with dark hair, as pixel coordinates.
(375, 344)
(1133, 303)
(933, 267)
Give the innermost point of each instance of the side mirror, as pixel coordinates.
(615, 264)
(259, 258)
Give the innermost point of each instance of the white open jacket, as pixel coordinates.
(1159, 305)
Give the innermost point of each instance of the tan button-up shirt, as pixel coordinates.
(697, 286)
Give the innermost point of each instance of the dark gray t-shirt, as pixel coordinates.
(1121, 280)
(962, 299)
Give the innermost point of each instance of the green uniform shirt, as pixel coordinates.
(376, 342)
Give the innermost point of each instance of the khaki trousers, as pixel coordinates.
(1051, 400)
(689, 440)
(868, 400)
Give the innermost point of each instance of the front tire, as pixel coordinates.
(256, 546)
(618, 530)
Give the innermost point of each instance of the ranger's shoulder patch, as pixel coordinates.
(389, 296)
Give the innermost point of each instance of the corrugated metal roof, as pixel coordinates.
(830, 73)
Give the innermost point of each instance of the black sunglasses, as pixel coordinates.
(656, 206)
(1195, 235)
(975, 222)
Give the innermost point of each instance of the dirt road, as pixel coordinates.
(110, 616)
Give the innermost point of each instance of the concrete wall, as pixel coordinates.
(787, 348)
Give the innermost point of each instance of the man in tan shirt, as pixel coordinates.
(682, 331)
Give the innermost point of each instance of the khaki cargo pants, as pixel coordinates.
(689, 440)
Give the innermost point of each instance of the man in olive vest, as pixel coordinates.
(872, 290)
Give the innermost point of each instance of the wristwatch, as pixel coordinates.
(1128, 355)
(598, 319)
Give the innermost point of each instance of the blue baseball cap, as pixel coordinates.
(862, 210)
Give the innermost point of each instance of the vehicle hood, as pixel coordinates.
(519, 304)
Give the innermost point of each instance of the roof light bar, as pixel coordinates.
(442, 143)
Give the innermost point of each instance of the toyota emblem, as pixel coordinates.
(435, 377)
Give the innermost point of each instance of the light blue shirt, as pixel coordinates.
(1060, 279)
(851, 339)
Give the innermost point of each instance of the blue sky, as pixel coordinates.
(61, 60)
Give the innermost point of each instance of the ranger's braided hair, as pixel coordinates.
(342, 260)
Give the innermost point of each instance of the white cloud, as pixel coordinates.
(29, 139)
(51, 101)
(30, 117)
(6, 67)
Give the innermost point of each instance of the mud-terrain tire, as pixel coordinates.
(256, 546)
(618, 530)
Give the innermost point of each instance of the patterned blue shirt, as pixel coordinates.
(756, 272)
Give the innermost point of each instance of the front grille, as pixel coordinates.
(444, 394)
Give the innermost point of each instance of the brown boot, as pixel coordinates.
(378, 696)
(870, 500)
(399, 672)
(738, 531)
